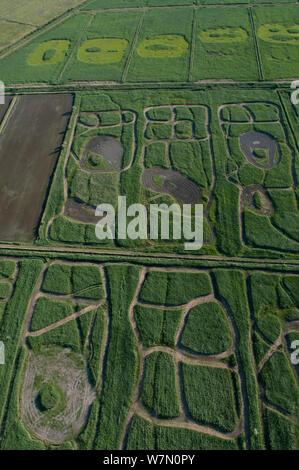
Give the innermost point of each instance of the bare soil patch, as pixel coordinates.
(29, 148)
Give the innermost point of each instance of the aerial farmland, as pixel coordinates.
(115, 335)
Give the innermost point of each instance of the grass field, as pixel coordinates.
(142, 391)
(249, 196)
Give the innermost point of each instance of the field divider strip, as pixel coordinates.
(8, 113)
(193, 44)
(287, 117)
(257, 50)
(134, 42)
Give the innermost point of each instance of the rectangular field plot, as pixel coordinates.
(224, 45)
(230, 150)
(277, 31)
(11, 32)
(104, 47)
(44, 58)
(28, 154)
(35, 12)
(162, 52)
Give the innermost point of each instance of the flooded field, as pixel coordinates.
(29, 148)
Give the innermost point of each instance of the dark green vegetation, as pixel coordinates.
(160, 45)
(157, 327)
(122, 359)
(281, 387)
(145, 435)
(48, 311)
(207, 330)
(177, 349)
(49, 397)
(209, 394)
(249, 198)
(13, 322)
(81, 281)
(232, 289)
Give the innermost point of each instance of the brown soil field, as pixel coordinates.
(29, 149)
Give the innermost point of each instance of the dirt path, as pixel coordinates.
(38, 293)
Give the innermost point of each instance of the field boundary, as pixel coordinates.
(193, 44)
